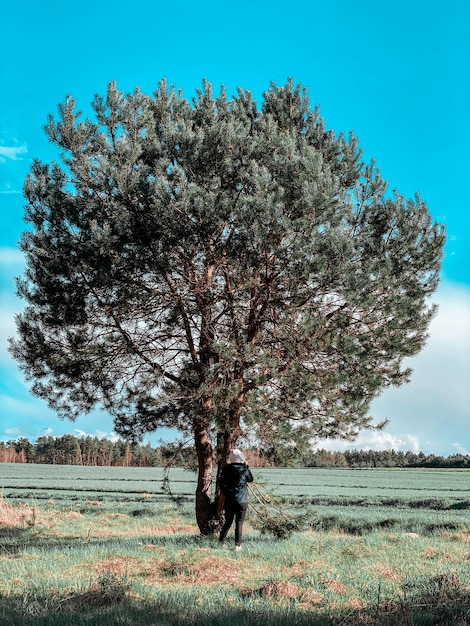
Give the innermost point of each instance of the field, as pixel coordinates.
(89, 545)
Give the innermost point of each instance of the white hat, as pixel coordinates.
(236, 456)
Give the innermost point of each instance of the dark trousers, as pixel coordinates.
(237, 511)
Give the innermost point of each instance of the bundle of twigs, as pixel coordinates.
(269, 517)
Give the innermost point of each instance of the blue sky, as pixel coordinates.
(396, 73)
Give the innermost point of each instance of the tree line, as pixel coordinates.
(385, 458)
(71, 450)
(93, 451)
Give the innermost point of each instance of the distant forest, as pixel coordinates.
(70, 450)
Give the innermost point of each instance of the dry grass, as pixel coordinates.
(191, 567)
(187, 568)
(22, 515)
(208, 570)
(281, 590)
(334, 586)
(118, 566)
(73, 515)
(387, 572)
(177, 528)
(464, 536)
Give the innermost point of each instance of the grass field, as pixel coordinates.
(88, 545)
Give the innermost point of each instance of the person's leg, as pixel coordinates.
(239, 519)
(229, 515)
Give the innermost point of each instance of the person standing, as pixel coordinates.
(234, 481)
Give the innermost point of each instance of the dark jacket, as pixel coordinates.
(233, 482)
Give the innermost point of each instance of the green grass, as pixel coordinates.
(120, 552)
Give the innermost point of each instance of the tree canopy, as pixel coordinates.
(221, 268)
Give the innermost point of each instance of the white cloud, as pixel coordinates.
(27, 416)
(374, 440)
(12, 152)
(441, 378)
(452, 324)
(459, 448)
(14, 432)
(97, 433)
(432, 412)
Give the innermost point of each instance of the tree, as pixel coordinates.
(45, 450)
(218, 268)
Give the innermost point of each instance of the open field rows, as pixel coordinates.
(298, 483)
(411, 499)
(106, 546)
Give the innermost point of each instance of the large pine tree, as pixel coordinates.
(219, 268)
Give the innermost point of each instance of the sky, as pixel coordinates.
(396, 73)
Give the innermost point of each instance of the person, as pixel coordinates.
(234, 481)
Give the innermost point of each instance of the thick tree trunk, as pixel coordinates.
(204, 477)
(210, 513)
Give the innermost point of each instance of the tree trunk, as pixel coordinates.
(210, 513)
(204, 477)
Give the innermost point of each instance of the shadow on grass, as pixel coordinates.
(14, 541)
(18, 541)
(439, 601)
